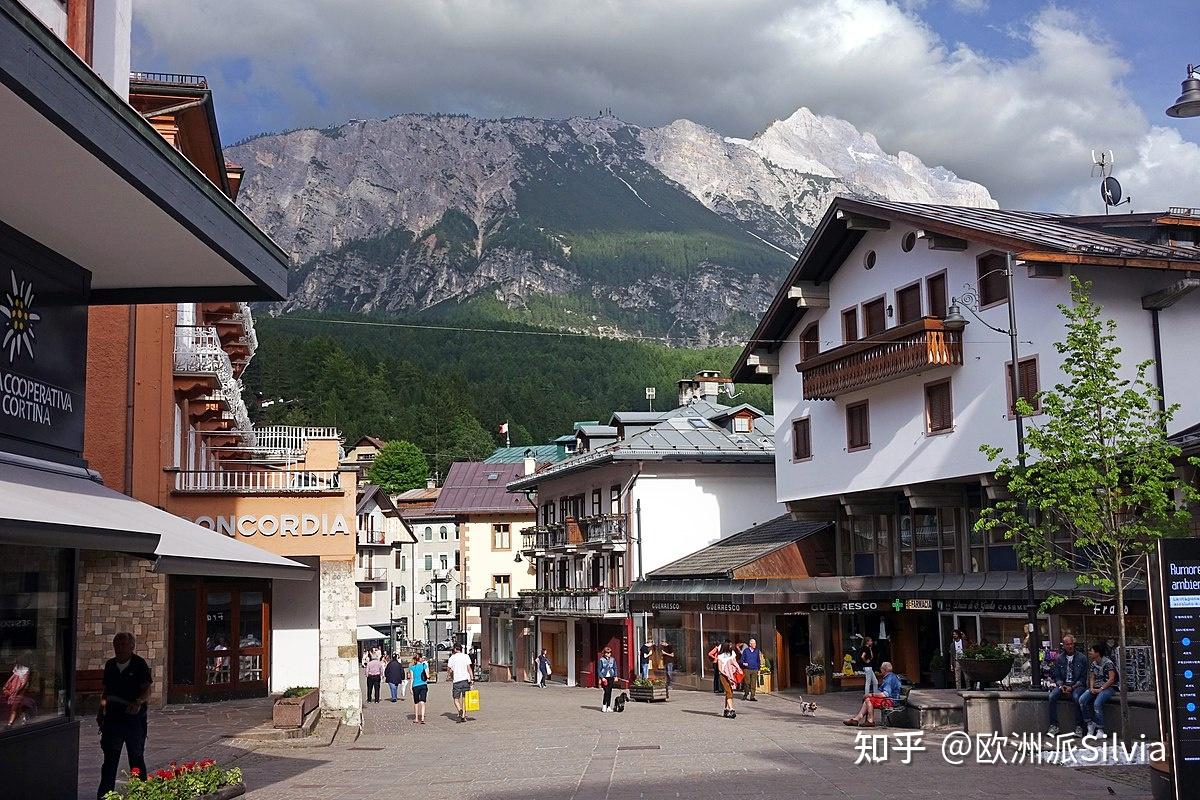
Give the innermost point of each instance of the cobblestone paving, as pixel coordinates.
(554, 743)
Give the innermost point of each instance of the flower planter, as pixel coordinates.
(225, 792)
(648, 694)
(816, 684)
(289, 712)
(765, 682)
(986, 670)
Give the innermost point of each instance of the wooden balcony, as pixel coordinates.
(904, 350)
(574, 602)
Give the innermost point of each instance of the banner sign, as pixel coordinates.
(1179, 568)
(43, 344)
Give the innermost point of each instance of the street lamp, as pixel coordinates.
(955, 321)
(1188, 104)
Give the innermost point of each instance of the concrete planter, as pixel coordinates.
(289, 712)
(986, 670)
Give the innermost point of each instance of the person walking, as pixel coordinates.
(866, 663)
(751, 660)
(730, 672)
(419, 672)
(393, 673)
(712, 656)
(647, 653)
(374, 677)
(543, 669)
(122, 717)
(958, 643)
(606, 676)
(458, 667)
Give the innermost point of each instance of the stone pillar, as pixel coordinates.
(341, 693)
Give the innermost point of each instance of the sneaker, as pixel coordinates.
(733, 715)
(1099, 732)
(725, 713)
(1091, 729)
(1052, 730)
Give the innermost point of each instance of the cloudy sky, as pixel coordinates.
(1012, 93)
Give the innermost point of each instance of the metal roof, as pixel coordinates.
(542, 453)
(478, 487)
(598, 431)
(721, 558)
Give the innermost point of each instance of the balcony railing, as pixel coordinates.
(292, 438)
(605, 529)
(198, 351)
(371, 536)
(372, 574)
(254, 481)
(582, 603)
(170, 78)
(534, 540)
(903, 350)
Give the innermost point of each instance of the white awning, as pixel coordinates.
(366, 634)
(58, 505)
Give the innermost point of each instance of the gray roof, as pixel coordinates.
(721, 558)
(598, 431)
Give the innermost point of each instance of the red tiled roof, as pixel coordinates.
(474, 486)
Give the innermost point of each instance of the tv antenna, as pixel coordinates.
(1110, 188)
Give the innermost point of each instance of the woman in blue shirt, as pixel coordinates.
(606, 673)
(419, 671)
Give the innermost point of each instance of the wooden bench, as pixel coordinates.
(89, 684)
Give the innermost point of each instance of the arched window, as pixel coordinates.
(403, 593)
(810, 341)
(443, 533)
(443, 593)
(428, 533)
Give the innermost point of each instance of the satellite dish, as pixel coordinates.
(1110, 190)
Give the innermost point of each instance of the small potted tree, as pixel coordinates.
(814, 675)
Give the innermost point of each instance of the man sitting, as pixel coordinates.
(1068, 675)
(1102, 685)
(887, 696)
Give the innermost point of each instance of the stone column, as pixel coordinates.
(341, 693)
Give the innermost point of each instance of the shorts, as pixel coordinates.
(460, 688)
(420, 693)
(880, 702)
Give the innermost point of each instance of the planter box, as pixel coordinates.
(816, 684)
(766, 684)
(225, 792)
(289, 712)
(648, 694)
(986, 670)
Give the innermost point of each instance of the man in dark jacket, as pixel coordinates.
(393, 673)
(751, 663)
(1069, 678)
(122, 716)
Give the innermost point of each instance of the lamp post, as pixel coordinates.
(955, 321)
(1188, 104)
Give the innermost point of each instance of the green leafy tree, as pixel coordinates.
(1100, 486)
(398, 467)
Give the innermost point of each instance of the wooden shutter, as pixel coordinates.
(993, 283)
(1029, 384)
(936, 289)
(801, 439)
(850, 325)
(939, 411)
(810, 341)
(876, 322)
(858, 426)
(908, 304)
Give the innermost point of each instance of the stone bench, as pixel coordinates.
(1020, 712)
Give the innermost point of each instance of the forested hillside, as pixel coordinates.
(449, 390)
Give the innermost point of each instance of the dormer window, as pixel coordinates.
(743, 424)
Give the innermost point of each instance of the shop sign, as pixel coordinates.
(1179, 577)
(664, 606)
(250, 525)
(723, 607)
(1106, 609)
(918, 604)
(846, 607)
(982, 606)
(43, 344)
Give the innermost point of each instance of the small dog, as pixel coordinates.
(619, 703)
(808, 709)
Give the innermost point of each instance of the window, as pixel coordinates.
(939, 409)
(909, 241)
(935, 295)
(614, 499)
(444, 560)
(929, 541)
(810, 341)
(743, 424)
(908, 304)
(503, 585)
(428, 533)
(595, 502)
(801, 439)
(401, 594)
(866, 543)
(850, 325)
(1027, 371)
(443, 593)
(501, 537)
(993, 282)
(428, 562)
(366, 597)
(858, 426)
(443, 534)
(457, 563)
(401, 560)
(874, 317)
(36, 595)
(869, 260)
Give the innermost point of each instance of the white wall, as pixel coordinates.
(295, 637)
(111, 43)
(51, 13)
(901, 452)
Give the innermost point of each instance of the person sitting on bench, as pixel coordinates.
(1069, 675)
(887, 696)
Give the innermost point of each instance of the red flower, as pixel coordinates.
(135, 772)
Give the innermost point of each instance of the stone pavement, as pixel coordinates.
(554, 743)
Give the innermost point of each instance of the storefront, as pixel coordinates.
(220, 639)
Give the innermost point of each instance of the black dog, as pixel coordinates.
(619, 703)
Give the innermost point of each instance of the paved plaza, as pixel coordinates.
(554, 743)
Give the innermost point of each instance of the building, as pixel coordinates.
(882, 405)
(489, 521)
(109, 212)
(638, 493)
(385, 545)
(361, 455)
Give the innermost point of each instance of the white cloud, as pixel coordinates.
(1023, 126)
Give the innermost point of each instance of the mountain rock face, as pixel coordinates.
(584, 224)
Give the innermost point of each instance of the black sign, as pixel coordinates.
(43, 344)
(982, 606)
(1179, 565)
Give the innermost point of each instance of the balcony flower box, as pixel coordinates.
(290, 710)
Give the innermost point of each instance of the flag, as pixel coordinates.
(504, 428)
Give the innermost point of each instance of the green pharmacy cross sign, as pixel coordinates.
(898, 604)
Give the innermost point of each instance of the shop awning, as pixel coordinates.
(62, 506)
(368, 634)
(88, 177)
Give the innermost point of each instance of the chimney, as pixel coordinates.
(530, 464)
(705, 385)
(431, 483)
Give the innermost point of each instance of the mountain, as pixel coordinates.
(583, 224)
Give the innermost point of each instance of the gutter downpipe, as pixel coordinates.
(1158, 366)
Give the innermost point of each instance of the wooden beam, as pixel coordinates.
(762, 358)
(941, 241)
(766, 369)
(809, 295)
(1169, 220)
(861, 222)
(1109, 261)
(864, 505)
(936, 495)
(821, 509)
(994, 489)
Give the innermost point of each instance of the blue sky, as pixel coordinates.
(1011, 93)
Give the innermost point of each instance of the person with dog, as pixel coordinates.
(606, 674)
(730, 673)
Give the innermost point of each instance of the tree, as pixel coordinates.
(1101, 485)
(398, 467)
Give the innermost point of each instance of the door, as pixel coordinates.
(220, 639)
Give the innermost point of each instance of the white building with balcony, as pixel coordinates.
(381, 573)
